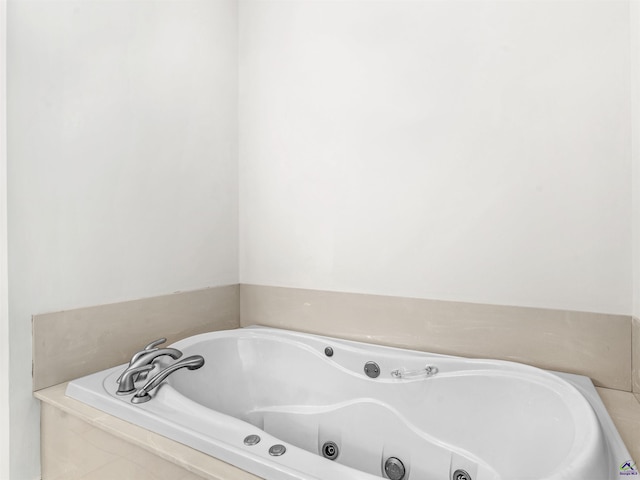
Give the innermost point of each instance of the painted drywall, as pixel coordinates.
(4, 312)
(474, 151)
(122, 164)
(469, 151)
(635, 142)
(635, 150)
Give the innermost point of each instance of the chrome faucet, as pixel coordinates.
(146, 349)
(192, 363)
(141, 359)
(128, 377)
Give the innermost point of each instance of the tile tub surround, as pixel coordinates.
(70, 344)
(79, 442)
(595, 345)
(447, 327)
(74, 343)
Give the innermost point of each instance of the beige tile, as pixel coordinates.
(595, 345)
(62, 446)
(146, 467)
(635, 342)
(121, 469)
(109, 442)
(624, 410)
(191, 460)
(156, 467)
(188, 476)
(70, 344)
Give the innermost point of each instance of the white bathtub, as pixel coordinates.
(491, 419)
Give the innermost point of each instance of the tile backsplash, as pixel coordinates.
(591, 344)
(74, 343)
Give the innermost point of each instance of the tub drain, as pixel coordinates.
(460, 475)
(330, 450)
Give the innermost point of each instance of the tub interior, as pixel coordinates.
(494, 420)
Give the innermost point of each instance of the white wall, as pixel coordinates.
(475, 151)
(471, 151)
(122, 163)
(635, 141)
(4, 312)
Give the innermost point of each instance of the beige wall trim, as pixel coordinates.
(591, 344)
(74, 343)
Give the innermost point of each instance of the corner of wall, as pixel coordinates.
(4, 314)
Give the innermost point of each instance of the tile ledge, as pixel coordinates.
(196, 462)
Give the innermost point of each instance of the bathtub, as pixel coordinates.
(285, 405)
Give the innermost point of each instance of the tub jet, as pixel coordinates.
(251, 440)
(330, 450)
(277, 450)
(460, 475)
(394, 468)
(372, 369)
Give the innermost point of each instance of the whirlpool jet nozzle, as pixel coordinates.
(330, 450)
(394, 468)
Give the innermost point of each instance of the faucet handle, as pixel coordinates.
(151, 347)
(127, 379)
(135, 357)
(155, 343)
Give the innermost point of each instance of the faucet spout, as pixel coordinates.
(192, 363)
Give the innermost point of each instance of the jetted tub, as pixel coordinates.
(434, 417)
